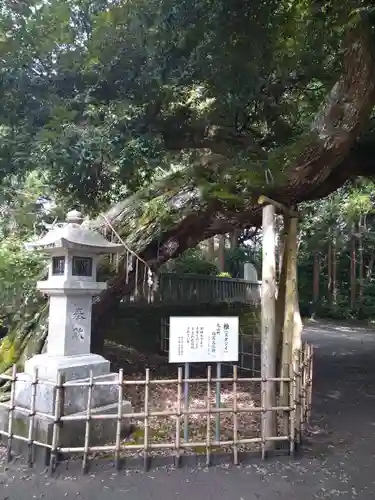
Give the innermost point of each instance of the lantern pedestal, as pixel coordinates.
(104, 401)
(71, 285)
(70, 367)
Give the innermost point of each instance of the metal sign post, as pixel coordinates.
(186, 402)
(218, 401)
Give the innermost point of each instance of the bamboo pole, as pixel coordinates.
(208, 418)
(119, 417)
(57, 423)
(146, 443)
(30, 444)
(85, 461)
(178, 417)
(235, 421)
(268, 324)
(11, 412)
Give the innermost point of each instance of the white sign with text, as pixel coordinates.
(203, 339)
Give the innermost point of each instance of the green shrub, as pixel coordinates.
(19, 271)
(191, 261)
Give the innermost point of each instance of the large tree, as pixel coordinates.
(195, 107)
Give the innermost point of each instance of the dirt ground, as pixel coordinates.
(339, 462)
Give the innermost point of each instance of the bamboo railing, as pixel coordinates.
(297, 409)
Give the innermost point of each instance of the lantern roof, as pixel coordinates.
(73, 236)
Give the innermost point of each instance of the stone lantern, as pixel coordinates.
(73, 252)
(71, 285)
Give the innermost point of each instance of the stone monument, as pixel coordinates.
(71, 285)
(251, 274)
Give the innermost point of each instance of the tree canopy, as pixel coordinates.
(102, 96)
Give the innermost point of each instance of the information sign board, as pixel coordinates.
(203, 339)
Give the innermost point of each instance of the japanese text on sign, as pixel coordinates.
(203, 339)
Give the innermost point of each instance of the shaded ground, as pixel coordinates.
(339, 464)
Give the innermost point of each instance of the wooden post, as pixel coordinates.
(281, 291)
(280, 230)
(291, 310)
(268, 330)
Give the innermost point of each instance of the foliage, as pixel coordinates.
(224, 275)
(192, 261)
(235, 258)
(339, 218)
(19, 270)
(101, 96)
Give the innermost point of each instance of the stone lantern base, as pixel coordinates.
(104, 401)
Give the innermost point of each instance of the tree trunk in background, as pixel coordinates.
(221, 253)
(370, 266)
(316, 271)
(329, 272)
(334, 272)
(234, 239)
(211, 249)
(268, 331)
(353, 274)
(360, 258)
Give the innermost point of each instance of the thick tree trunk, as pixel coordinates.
(161, 221)
(268, 326)
(221, 252)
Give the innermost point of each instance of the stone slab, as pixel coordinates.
(71, 367)
(75, 397)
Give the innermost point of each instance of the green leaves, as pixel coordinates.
(19, 271)
(103, 95)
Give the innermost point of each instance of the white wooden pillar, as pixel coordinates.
(268, 323)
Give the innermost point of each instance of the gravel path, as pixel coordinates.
(339, 464)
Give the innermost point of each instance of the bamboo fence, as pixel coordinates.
(298, 410)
